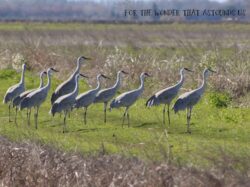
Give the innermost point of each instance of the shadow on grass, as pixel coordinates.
(146, 125)
(86, 130)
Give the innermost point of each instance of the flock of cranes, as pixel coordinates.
(66, 98)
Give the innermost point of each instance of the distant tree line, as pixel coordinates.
(114, 10)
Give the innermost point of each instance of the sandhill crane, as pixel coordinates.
(166, 95)
(128, 98)
(19, 98)
(191, 98)
(15, 90)
(87, 98)
(69, 85)
(36, 98)
(66, 102)
(105, 95)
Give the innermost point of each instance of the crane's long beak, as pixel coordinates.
(54, 70)
(82, 75)
(86, 58)
(212, 71)
(147, 75)
(104, 76)
(125, 72)
(189, 70)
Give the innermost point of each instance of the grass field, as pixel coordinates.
(220, 122)
(213, 130)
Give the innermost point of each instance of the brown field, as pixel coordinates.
(160, 49)
(28, 164)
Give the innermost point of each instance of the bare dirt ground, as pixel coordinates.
(29, 164)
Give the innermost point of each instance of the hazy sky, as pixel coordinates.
(152, 0)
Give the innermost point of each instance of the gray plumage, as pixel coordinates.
(191, 98)
(15, 90)
(105, 95)
(87, 98)
(166, 95)
(69, 85)
(129, 98)
(37, 97)
(19, 98)
(65, 102)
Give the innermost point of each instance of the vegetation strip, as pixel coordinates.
(29, 164)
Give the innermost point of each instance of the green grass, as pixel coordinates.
(217, 126)
(19, 26)
(212, 129)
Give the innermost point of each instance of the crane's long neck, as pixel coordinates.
(41, 81)
(203, 85)
(75, 92)
(181, 81)
(22, 77)
(118, 81)
(77, 69)
(141, 87)
(49, 82)
(98, 87)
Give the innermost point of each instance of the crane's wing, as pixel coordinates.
(19, 98)
(64, 88)
(64, 102)
(85, 99)
(65, 85)
(186, 100)
(12, 92)
(163, 96)
(105, 95)
(125, 99)
(38, 96)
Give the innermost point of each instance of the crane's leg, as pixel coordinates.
(9, 113)
(190, 112)
(36, 116)
(70, 112)
(128, 119)
(28, 116)
(164, 109)
(64, 121)
(168, 116)
(35, 111)
(105, 112)
(16, 116)
(188, 119)
(125, 113)
(85, 115)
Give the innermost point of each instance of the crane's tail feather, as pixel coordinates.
(179, 105)
(151, 101)
(114, 104)
(96, 100)
(53, 98)
(77, 105)
(16, 101)
(24, 103)
(6, 99)
(53, 109)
